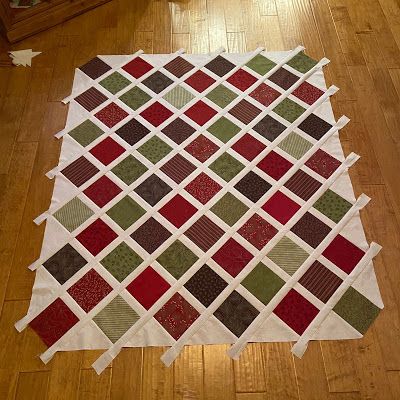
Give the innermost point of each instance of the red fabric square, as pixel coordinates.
(281, 207)
(248, 147)
(308, 93)
(296, 311)
(89, 290)
(200, 112)
(178, 210)
(176, 315)
(148, 287)
(156, 114)
(110, 115)
(96, 236)
(102, 191)
(200, 81)
(137, 67)
(232, 257)
(323, 163)
(265, 94)
(343, 253)
(54, 322)
(203, 188)
(242, 79)
(107, 150)
(201, 148)
(274, 165)
(257, 231)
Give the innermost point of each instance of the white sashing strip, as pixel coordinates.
(301, 345)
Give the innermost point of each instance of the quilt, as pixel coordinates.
(201, 199)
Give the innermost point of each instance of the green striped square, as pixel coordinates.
(86, 132)
(178, 97)
(295, 145)
(73, 214)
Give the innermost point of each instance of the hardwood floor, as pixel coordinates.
(362, 40)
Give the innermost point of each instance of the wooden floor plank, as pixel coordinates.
(32, 384)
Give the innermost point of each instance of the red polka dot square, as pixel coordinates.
(308, 93)
(265, 94)
(203, 188)
(242, 79)
(201, 148)
(110, 115)
(257, 231)
(323, 164)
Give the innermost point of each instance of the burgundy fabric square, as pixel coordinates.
(91, 99)
(296, 311)
(343, 254)
(265, 94)
(96, 236)
(220, 66)
(200, 112)
(269, 128)
(80, 171)
(156, 114)
(201, 148)
(178, 168)
(274, 165)
(311, 229)
(178, 130)
(252, 186)
(176, 316)
(204, 233)
(148, 287)
(178, 210)
(303, 185)
(242, 79)
(89, 290)
(244, 111)
(153, 189)
(111, 115)
(323, 163)
(257, 231)
(137, 67)
(179, 67)
(315, 126)
(107, 150)
(283, 78)
(200, 81)
(232, 257)
(54, 322)
(157, 82)
(95, 68)
(132, 132)
(248, 147)
(281, 207)
(307, 93)
(102, 191)
(203, 188)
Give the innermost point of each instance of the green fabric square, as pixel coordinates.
(301, 62)
(357, 310)
(126, 212)
(224, 129)
(177, 259)
(295, 145)
(135, 98)
(260, 64)
(116, 318)
(178, 97)
(221, 96)
(263, 283)
(115, 82)
(85, 133)
(226, 166)
(229, 209)
(121, 261)
(73, 214)
(129, 169)
(332, 205)
(288, 255)
(289, 110)
(154, 149)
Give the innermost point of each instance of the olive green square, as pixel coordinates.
(224, 129)
(121, 261)
(295, 145)
(126, 212)
(301, 62)
(289, 110)
(154, 149)
(86, 132)
(135, 98)
(229, 209)
(357, 310)
(260, 64)
(129, 169)
(73, 214)
(221, 96)
(226, 166)
(115, 82)
(177, 259)
(178, 97)
(263, 283)
(332, 205)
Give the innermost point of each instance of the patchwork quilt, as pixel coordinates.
(201, 199)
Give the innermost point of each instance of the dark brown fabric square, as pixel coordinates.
(303, 185)
(252, 186)
(269, 128)
(95, 68)
(91, 99)
(132, 131)
(179, 66)
(244, 111)
(157, 82)
(315, 126)
(178, 130)
(311, 229)
(153, 189)
(283, 78)
(80, 171)
(204, 233)
(178, 168)
(220, 66)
